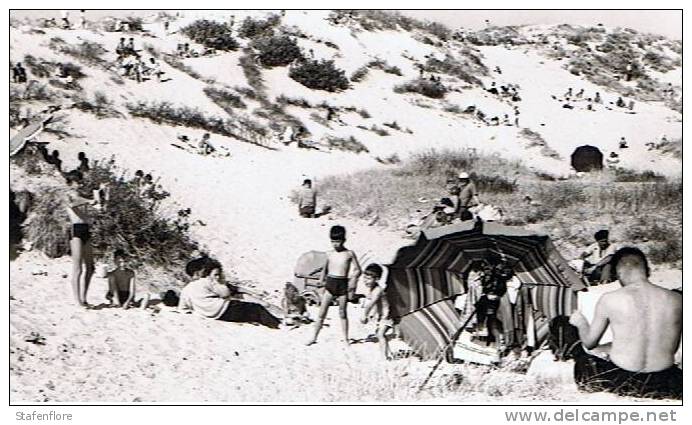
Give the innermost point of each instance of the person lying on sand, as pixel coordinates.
(376, 299)
(646, 322)
(204, 147)
(335, 279)
(122, 284)
(210, 296)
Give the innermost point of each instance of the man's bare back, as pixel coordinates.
(646, 321)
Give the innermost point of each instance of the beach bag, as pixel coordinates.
(170, 298)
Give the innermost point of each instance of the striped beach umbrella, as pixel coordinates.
(425, 277)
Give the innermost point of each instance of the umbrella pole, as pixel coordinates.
(442, 357)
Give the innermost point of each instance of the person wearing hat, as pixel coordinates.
(468, 196)
(597, 256)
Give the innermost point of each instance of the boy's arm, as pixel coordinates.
(375, 297)
(359, 271)
(222, 290)
(325, 270)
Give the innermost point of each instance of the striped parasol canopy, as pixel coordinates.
(424, 279)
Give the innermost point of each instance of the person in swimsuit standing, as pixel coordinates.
(80, 246)
(335, 278)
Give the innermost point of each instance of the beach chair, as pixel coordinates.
(306, 275)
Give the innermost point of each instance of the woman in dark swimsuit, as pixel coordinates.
(80, 247)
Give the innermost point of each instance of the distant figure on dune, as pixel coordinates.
(613, 160)
(18, 73)
(620, 103)
(65, 17)
(54, 159)
(155, 69)
(307, 200)
(336, 281)
(122, 284)
(646, 321)
(204, 147)
(82, 19)
(83, 162)
(623, 143)
(468, 196)
(597, 99)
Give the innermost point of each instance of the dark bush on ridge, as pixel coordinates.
(251, 28)
(277, 50)
(422, 86)
(320, 75)
(213, 35)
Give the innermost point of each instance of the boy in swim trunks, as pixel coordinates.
(335, 278)
(377, 300)
(121, 284)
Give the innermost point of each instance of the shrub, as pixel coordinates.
(88, 52)
(384, 66)
(33, 92)
(349, 144)
(451, 66)
(225, 99)
(99, 105)
(251, 71)
(239, 127)
(70, 69)
(47, 224)
(432, 89)
(251, 28)
(360, 74)
(40, 69)
(210, 34)
(319, 75)
(176, 63)
(277, 51)
(130, 222)
(624, 175)
(379, 131)
(293, 101)
(393, 125)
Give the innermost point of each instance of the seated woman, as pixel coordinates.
(211, 297)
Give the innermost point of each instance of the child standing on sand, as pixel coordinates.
(335, 278)
(121, 284)
(376, 299)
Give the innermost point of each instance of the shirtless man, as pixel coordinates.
(121, 284)
(335, 278)
(646, 321)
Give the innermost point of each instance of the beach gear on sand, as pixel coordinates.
(18, 141)
(306, 274)
(426, 277)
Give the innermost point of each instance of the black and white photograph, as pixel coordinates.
(345, 206)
